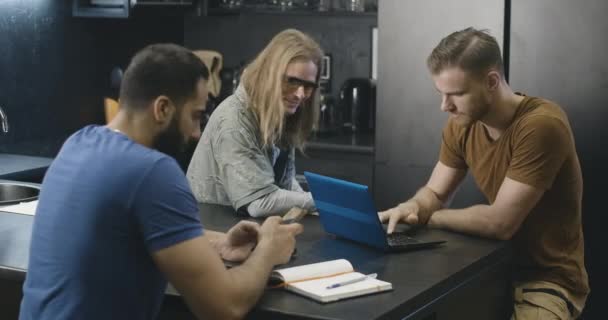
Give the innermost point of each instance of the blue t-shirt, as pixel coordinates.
(106, 204)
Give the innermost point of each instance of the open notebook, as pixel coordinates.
(312, 280)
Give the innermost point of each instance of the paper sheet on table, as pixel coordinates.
(28, 208)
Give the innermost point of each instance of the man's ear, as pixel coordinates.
(163, 109)
(493, 80)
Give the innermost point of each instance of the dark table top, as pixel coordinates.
(418, 277)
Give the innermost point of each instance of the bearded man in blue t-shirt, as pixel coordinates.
(116, 216)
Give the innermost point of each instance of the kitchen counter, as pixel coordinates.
(23, 168)
(15, 232)
(346, 142)
(344, 156)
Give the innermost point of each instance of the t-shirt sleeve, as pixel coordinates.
(451, 152)
(244, 169)
(540, 149)
(165, 208)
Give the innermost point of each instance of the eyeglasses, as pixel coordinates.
(293, 84)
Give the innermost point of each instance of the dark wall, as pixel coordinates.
(54, 69)
(240, 37)
(558, 52)
(408, 116)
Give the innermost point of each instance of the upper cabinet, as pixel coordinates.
(126, 8)
(293, 7)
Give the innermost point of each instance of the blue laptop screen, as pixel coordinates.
(346, 209)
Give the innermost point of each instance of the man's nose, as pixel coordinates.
(301, 92)
(196, 134)
(445, 104)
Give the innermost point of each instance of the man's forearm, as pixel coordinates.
(215, 238)
(241, 288)
(472, 220)
(214, 235)
(427, 200)
(279, 202)
(250, 278)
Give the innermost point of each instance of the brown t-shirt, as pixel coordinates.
(537, 149)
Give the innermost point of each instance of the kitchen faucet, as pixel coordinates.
(4, 120)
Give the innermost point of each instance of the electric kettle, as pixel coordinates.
(358, 104)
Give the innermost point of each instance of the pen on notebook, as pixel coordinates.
(355, 280)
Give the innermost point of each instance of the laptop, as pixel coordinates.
(347, 210)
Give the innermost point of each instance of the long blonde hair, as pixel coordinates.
(263, 80)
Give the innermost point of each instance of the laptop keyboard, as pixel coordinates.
(400, 239)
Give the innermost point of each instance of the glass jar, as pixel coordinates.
(355, 5)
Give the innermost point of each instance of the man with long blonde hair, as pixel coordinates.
(245, 157)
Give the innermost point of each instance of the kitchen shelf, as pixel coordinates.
(85, 9)
(254, 7)
(126, 8)
(295, 12)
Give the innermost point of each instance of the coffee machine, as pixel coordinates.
(358, 104)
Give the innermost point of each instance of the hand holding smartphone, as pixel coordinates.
(294, 214)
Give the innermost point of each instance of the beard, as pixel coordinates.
(171, 141)
(481, 109)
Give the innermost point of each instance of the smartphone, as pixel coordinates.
(294, 214)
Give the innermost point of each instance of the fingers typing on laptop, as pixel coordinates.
(347, 210)
(408, 212)
(415, 211)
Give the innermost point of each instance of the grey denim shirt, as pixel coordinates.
(229, 165)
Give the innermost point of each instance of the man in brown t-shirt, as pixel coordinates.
(521, 153)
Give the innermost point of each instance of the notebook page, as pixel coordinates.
(317, 289)
(315, 270)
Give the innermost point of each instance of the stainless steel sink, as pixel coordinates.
(14, 192)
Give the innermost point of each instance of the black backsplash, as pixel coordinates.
(54, 69)
(240, 37)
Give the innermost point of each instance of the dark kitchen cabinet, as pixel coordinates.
(10, 298)
(344, 156)
(353, 167)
